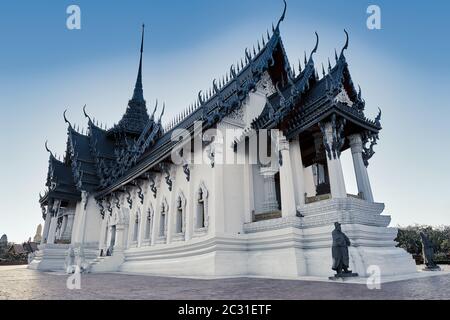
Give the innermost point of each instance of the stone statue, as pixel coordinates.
(339, 251)
(428, 253)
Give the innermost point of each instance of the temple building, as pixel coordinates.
(119, 201)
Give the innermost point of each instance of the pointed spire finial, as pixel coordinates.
(138, 94)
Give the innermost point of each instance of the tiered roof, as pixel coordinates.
(104, 161)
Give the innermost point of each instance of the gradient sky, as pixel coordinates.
(45, 68)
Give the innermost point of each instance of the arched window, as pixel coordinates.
(149, 222)
(200, 210)
(201, 217)
(163, 219)
(179, 217)
(136, 228)
(180, 214)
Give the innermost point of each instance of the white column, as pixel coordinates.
(120, 239)
(270, 203)
(157, 211)
(52, 230)
(217, 213)
(129, 230)
(189, 209)
(336, 175)
(298, 172)
(142, 225)
(249, 202)
(48, 219)
(362, 177)
(171, 215)
(67, 233)
(103, 235)
(53, 222)
(288, 207)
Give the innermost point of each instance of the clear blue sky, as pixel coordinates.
(44, 68)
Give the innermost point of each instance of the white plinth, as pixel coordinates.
(285, 247)
(50, 257)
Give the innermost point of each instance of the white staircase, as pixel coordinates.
(107, 264)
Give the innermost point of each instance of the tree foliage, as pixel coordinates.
(408, 238)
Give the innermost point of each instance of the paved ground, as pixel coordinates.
(21, 283)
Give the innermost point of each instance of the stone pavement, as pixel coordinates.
(20, 283)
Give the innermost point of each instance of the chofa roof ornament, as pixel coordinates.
(48, 150)
(282, 16)
(86, 115)
(315, 47)
(346, 43)
(65, 118)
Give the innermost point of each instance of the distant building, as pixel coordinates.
(30, 247)
(38, 236)
(24, 248)
(17, 249)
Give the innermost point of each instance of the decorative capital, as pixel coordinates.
(356, 144)
(333, 136)
(283, 143)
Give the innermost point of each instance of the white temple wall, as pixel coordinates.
(234, 199)
(87, 223)
(310, 187)
(77, 223)
(93, 222)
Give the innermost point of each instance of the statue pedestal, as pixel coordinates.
(436, 268)
(343, 276)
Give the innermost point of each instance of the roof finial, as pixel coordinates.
(138, 94)
(346, 43)
(162, 112)
(200, 98)
(378, 118)
(315, 48)
(282, 16)
(85, 114)
(154, 111)
(65, 118)
(48, 150)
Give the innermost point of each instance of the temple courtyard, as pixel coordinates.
(18, 282)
